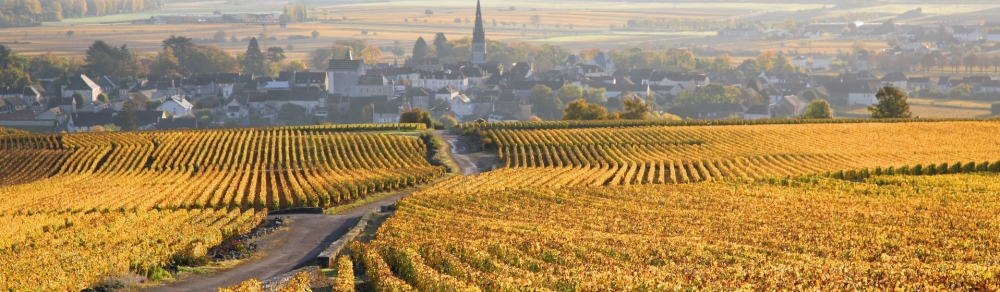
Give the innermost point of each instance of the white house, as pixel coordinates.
(177, 106)
(820, 62)
(83, 85)
(967, 34)
(446, 93)
(434, 80)
(800, 62)
(461, 105)
(896, 79)
(236, 110)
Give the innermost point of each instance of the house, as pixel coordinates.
(967, 34)
(310, 79)
(852, 92)
(199, 86)
(236, 110)
(862, 61)
(386, 112)
(757, 112)
(344, 75)
(681, 79)
(177, 106)
(177, 123)
(111, 86)
(896, 79)
(86, 121)
(792, 105)
(820, 62)
(419, 98)
(10, 104)
(29, 94)
(461, 105)
(425, 64)
(944, 83)
(913, 83)
(715, 111)
(55, 114)
(500, 116)
(226, 82)
(438, 79)
(603, 61)
(619, 90)
(800, 62)
(313, 99)
(83, 85)
(991, 86)
(446, 93)
(372, 85)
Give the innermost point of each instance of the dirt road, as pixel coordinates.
(306, 236)
(459, 153)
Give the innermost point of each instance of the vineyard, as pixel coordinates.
(774, 206)
(814, 233)
(82, 208)
(613, 156)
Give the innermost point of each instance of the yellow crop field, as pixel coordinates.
(82, 208)
(888, 232)
(762, 207)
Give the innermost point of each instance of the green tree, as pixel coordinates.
(103, 98)
(165, 64)
(818, 109)
(810, 95)
(219, 37)
(597, 96)
(78, 99)
(545, 104)
(128, 119)
(635, 108)
(570, 92)
(417, 115)
(891, 104)
(580, 109)
(275, 54)
(254, 60)
(419, 48)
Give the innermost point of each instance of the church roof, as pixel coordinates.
(479, 33)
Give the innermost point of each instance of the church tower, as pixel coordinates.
(478, 39)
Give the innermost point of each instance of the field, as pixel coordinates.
(757, 207)
(575, 25)
(93, 207)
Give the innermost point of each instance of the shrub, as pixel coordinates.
(917, 170)
(931, 169)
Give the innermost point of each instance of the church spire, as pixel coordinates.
(479, 34)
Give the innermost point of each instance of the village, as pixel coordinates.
(351, 91)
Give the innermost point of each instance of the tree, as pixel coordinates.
(165, 64)
(536, 20)
(891, 104)
(570, 92)
(420, 48)
(810, 95)
(580, 109)
(448, 121)
(749, 68)
(220, 36)
(597, 96)
(635, 108)
(253, 60)
(818, 109)
(371, 55)
(766, 60)
(294, 65)
(315, 33)
(127, 119)
(428, 12)
(78, 99)
(417, 115)
(723, 63)
(293, 114)
(14, 77)
(546, 105)
(180, 46)
(103, 98)
(275, 54)
(441, 46)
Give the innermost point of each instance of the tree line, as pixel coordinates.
(16, 13)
